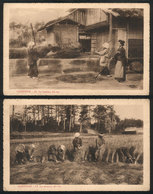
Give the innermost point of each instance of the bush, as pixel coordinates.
(17, 53)
(67, 53)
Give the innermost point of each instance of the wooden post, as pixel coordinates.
(33, 34)
(110, 30)
(25, 117)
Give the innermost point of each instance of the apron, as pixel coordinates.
(119, 70)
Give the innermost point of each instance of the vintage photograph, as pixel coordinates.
(76, 49)
(76, 145)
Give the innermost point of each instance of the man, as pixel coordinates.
(32, 60)
(100, 144)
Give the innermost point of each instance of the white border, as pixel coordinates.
(8, 91)
(146, 146)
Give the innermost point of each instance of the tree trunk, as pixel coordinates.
(34, 115)
(81, 127)
(64, 124)
(48, 113)
(43, 122)
(25, 118)
(70, 122)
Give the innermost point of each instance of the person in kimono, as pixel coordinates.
(121, 61)
(104, 60)
(32, 60)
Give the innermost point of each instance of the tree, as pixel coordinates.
(111, 114)
(100, 115)
(84, 116)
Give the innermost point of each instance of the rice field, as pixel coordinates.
(70, 172)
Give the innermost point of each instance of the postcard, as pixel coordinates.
(76, 145)
(76, 49)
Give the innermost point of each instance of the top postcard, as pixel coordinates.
(76, 49)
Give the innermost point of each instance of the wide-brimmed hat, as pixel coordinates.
(76, 134)
(106, 45)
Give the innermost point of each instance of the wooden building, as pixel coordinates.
(92, 27)
(61, 32)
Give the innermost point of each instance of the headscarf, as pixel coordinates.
(106, 45)
(76, 134)
(30, 45)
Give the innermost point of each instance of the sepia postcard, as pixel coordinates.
(76, 48)
(76, 145)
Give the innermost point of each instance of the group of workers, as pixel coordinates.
(26, 153)
(119, 59)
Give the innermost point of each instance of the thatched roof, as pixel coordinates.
(127, 13)
(59, 20)
(117, 12)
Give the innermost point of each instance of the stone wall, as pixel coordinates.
(46, 66)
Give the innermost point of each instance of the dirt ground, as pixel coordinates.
(77, 81)
(77, 173)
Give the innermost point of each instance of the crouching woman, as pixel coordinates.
(77, 145)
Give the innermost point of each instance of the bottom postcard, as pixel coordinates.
(76, 145)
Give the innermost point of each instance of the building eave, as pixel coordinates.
(96, 26)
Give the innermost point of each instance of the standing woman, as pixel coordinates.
(104, 59)
(32, 60)
(120, 68)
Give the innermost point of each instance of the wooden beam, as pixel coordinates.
(110, 30)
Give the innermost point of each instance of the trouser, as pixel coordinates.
(33, 70)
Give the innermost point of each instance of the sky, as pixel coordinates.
(123, 111)
(32, 15)
(129, 111)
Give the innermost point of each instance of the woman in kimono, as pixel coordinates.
(32, 60)
(120, 68)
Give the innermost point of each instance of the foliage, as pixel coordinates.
(123, 124)
(70, 118)
(21, 34)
